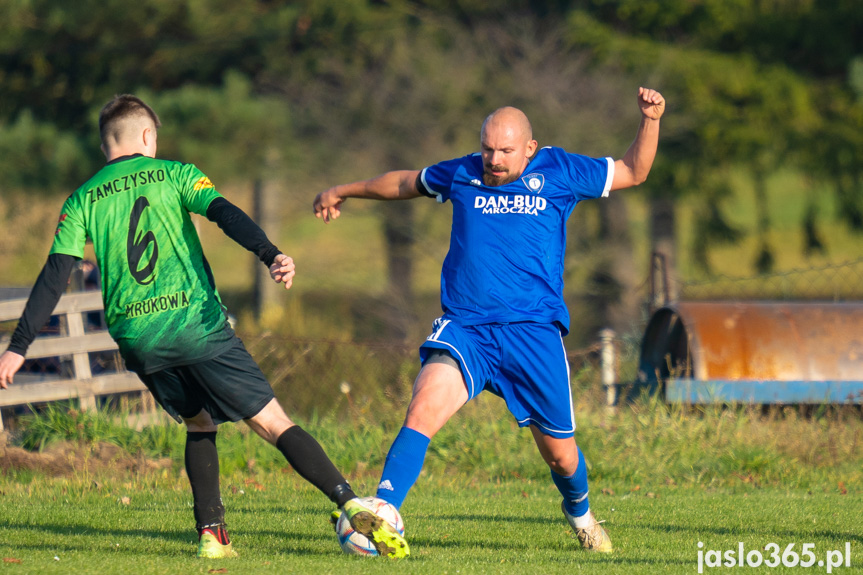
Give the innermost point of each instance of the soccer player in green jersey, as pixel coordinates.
(163, 310)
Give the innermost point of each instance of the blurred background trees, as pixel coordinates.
(279, 100)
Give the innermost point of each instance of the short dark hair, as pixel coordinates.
(122, 107)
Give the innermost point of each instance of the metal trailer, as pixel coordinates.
(754, 352)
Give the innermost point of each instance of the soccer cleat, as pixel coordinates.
(382, 535)
(592, 538)
(213, 543)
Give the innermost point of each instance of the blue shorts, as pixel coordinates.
(524, 363)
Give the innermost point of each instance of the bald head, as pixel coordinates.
(508, 118)
(128, 126)
(507, 144)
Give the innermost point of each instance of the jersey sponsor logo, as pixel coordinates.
(125, 183)
(60, 224)
(203, 183)
(534, 182)
(157, 304)
(515, 204)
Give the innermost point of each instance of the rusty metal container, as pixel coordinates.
(786, 345)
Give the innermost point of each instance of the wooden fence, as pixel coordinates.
(75, 344)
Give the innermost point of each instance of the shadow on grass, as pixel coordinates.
(57, 541)
(62, 538)
(748, 530)
(550, 520)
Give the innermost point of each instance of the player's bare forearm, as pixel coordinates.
(396, 185)
(635, 165)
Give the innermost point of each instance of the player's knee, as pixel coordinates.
(423, 425)
(562, 464)
(200, 423)
(270, 431)
(426, 421)
(270, 422)
(196, 428)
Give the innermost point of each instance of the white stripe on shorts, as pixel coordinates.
(571, 409)
(462, 364)
(541, 426)
(568, 383)
(436, 334)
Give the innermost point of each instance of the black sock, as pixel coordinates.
(202, 467)
(308, 458)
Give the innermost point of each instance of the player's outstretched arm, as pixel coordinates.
(633, 168)
(397, 185)
(44, 296)
(238, 226)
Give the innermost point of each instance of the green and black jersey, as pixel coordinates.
(161, 303)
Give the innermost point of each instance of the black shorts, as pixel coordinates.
(229, 387)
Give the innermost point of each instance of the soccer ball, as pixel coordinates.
(354, 543)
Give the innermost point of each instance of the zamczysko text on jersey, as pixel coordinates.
(125, 183)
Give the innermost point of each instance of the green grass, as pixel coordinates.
(463, 526)
(664, 478)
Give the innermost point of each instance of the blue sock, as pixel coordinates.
(402, 468)
(574, 488)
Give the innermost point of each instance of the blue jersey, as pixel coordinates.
(505, 261)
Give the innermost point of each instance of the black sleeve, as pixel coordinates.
(240, 228)
(421, 187)
(47, 290)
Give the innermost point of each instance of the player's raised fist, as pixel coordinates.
(651, 103)
(328, 205)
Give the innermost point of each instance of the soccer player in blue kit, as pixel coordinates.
(502, 291)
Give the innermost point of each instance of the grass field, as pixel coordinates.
(279, 524)
(663, 478)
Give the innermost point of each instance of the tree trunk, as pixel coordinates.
(264, 211)
(615, 277)
(399, 312)
(663, 238)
